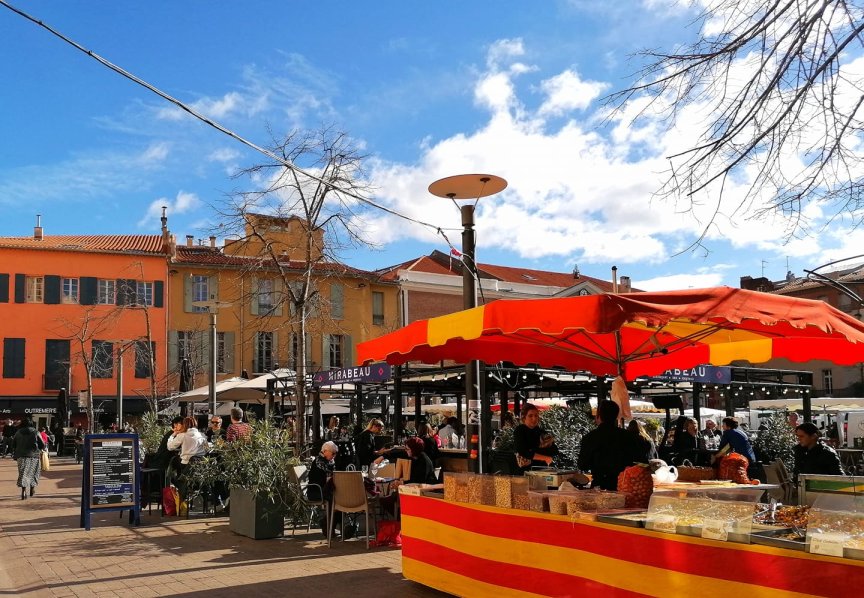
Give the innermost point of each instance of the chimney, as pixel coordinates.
(615, 279)
(190, 240)
(37, 230)
(213, 241)
(625, 284)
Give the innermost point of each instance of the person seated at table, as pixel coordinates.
(430, 444)
(214, 430)
(647, 447)
(332, 431)
(320, 473)
(534, 446)
(365, 444)
(237, 429)
(188, 440)
(711, 430)
(422, 472)
(686, 441)
(812, 455)
(735, 440)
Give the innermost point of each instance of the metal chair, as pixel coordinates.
(349, 496)
(299, 475)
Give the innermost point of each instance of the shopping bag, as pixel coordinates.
(46, 462)
(170, 498)
(389, 533)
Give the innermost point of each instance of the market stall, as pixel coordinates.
(477, 550)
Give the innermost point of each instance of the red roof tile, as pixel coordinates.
(95, 243)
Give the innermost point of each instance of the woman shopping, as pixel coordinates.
(28, 446)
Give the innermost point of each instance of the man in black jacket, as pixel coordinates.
(811, 455)
(607, 450)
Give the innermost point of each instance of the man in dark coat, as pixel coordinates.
(811, 455)
(607, 450)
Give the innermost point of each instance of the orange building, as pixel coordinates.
(73, 304)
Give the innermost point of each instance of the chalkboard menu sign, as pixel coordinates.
(111, 478)
(112, 472)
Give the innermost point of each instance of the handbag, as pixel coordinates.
(44, 460)
(170, 498)
(389, 533)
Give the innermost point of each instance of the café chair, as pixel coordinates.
(349, 496)
(386, 471)
(299, 477)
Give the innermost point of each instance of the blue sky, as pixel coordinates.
(426, 89)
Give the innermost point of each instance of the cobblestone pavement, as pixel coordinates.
(46, 553)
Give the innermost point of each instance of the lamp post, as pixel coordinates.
(212, 306)
(472, 187)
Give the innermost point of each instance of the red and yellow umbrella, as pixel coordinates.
(632, 334)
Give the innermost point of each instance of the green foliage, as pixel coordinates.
(568, 425)
(260, 464)
(152, 431)
(778, 441)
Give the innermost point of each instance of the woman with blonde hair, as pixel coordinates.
(647, 448)
(365, 443)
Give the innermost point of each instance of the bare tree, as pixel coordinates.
(328, 216)
(783, 107)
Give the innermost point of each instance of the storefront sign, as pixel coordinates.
(706, 374)
(376, 372)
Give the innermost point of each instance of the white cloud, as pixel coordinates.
(567, 91)
(183, 203)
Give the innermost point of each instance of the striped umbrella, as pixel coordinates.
(632, 334)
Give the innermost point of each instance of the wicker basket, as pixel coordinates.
(694, 474)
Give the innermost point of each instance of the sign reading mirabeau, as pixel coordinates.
(374, 372)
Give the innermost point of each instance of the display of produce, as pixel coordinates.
(715, 519)
(481, 489)
(637, 485)
(782, 516)
(734, 467)
(538, 502)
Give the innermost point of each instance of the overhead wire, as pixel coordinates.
(210, 122)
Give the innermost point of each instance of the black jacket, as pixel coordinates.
(820, 459)
(27, 442)
(606, 451)
(365, 446)
(527, 441)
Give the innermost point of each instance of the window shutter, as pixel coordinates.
(52, 289)
(254, 305)
(229, 352)
(213, 288)
(255, 368)
(173, 350)
(4, 288)
(278, 296)
(13, 357)
(325, 351)
(158, 291)
(89, 290)
(337, 303)
(274, 358)
(347, 351)
(20, 288)
(187, 294)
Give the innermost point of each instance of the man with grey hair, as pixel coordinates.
(319, 476)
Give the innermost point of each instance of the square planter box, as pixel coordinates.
(258, 519)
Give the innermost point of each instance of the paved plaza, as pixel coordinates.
(46, 553)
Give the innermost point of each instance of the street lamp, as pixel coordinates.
(212, 306)
(471, 187)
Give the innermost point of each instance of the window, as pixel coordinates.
(56, 364)
(337, 351)
(70, 290)
(35, 289)
(264, 352)
(103, 359)
(185, 346)
(13, 357)
(143, 293)
(337, 302)
(144, 354)
(827, 382)
(265, 296)
(105, 292)
(377, 308)
(200, 291)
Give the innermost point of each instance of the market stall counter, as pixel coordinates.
(477, 550)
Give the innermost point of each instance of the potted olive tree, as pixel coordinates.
(257, 471)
